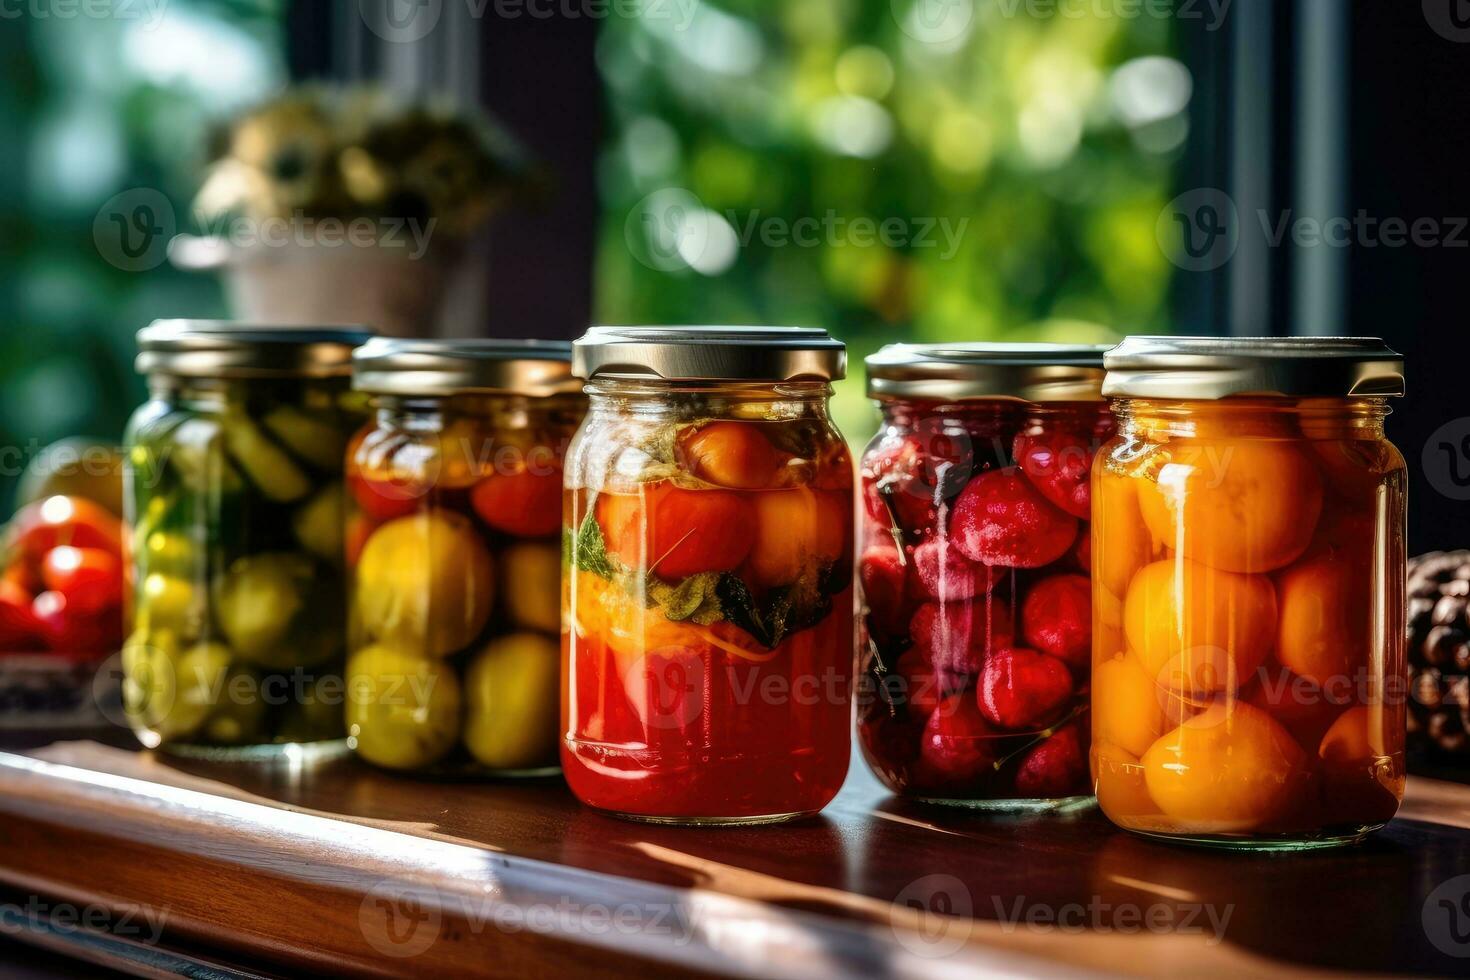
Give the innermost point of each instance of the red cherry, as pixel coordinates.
(1057, 767)
(1059, 464)
(1056, 618)
(883, 578)
(1001, 519)
(947, 575)
(1022, 690)
(956, 636)
(918, 685)
(893, 475)
(958, 747)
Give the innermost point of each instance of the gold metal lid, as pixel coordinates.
(226, 349)
(772, 354)
(964, 372)
(1219, 367)
(389, 366)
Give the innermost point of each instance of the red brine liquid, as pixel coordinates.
(709, 648)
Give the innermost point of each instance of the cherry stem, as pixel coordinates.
(1042, 736)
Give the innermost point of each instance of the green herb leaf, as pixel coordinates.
(589, 550)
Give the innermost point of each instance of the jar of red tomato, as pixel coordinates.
(975, 570)
(453, 537)
(708, 646)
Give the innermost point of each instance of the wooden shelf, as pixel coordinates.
(335, 867)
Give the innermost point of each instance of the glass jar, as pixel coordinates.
(234, 503)
(454, 527)
(1248, 596)
(975, 572)
(709, 657)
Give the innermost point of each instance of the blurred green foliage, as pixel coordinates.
(1010, 159)
(94, 107)
(1047, 136)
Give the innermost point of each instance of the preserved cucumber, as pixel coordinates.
(312, 438)
(269, 467)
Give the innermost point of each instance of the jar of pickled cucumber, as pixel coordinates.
(975, 572)
(708, 646)
(453, 545)
(1248, 592)
(234, 496)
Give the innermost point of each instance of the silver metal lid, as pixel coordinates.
(1219, 367)
(390, 366)
(771, 354)
(225, 349)
(963, 372)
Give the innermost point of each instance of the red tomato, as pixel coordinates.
(20, 630)
(90, 578)
(522, 503)
(677, 533)
(731, 454)
(45, 524)
(383, 500)
(77, 634)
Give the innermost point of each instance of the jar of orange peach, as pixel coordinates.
(1248, 575)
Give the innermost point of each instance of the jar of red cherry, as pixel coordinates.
(708, 636)
(975, 571)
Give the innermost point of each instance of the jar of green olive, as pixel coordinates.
(234, 495)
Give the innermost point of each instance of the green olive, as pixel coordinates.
(175, 693)
(318, 524)
(278, 611)
(531, 577)
(270, 468)
(425, 583)
(172, 604)
(315, 439)
(513, 689)
(402, 711)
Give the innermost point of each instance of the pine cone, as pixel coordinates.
(1439, 655)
